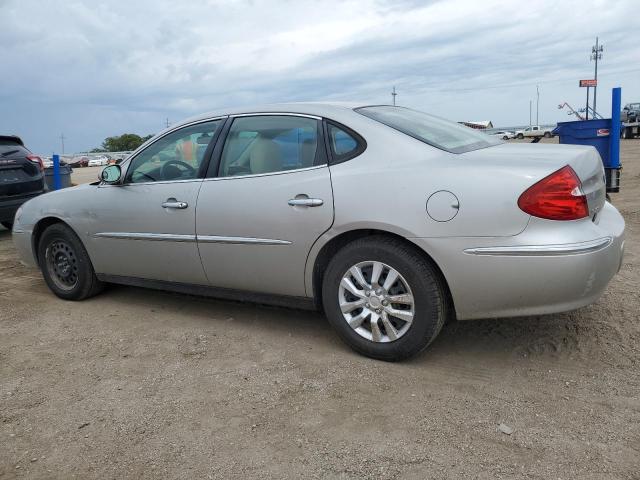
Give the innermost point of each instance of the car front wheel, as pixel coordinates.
(384, 299)
(65, 264)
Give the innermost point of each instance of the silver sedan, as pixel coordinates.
(388, 219)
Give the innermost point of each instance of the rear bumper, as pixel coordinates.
(521, 275)
(9, 205)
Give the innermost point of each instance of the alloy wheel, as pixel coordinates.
(376, 301)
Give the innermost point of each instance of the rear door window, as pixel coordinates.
(270, 143)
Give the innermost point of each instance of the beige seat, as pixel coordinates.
(265, 157)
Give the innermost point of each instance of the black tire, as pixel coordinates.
(7, 225)
(547, 134)
(520, 136)
(429, 293)
(71, 275)
(505, 137)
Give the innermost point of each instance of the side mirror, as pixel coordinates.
(111, 174)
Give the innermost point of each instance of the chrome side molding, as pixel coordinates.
(172, 237)
(154, 237)
(241, 240)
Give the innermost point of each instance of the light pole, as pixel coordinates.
(596, 54)
(529, 114)
(62, 141)
(537, 104)
(393, 95)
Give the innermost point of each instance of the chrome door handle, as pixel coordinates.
(171, 203)
(305, 202)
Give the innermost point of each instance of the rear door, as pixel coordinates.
(20, 171)
(260, 212)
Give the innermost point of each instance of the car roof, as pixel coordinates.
(320, 109)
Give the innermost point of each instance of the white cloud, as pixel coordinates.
(97, 68)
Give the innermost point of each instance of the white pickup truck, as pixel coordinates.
(535, 131)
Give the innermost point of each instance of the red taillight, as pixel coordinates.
(556, 197)
(36, 159)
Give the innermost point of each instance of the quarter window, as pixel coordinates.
(270, 143)
(343, 144)
(176, 156)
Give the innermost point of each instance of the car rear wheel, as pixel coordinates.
(547, 134)
(384, 299)
(7, 225)
(65, 264)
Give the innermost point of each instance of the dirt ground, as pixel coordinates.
(142, 384)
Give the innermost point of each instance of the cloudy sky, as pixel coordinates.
(96, 68)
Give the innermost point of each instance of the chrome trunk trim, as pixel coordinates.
(543, 250)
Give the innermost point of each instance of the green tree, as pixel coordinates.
(124, 142)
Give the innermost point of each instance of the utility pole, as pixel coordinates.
(529, 113)
(166, 122)
(537, 104)
(393, 95)
(62, 137)
(596, 54)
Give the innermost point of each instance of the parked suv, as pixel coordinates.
(21, 177)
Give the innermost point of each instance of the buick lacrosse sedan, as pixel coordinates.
(388, 219)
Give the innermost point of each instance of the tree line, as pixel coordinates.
(121, 143)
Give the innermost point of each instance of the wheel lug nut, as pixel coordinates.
(385, 302)
(378, 310)
(367, 293)
(367, 305)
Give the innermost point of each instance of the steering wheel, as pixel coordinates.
(164, 171)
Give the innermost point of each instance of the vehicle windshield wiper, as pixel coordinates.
(10, 152)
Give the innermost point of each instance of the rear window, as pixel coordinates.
(9, 147)
(435, 131)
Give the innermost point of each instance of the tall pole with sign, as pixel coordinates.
(586, 110)
(588, 83)
(596, 54)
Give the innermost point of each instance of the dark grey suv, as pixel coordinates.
(21, 177)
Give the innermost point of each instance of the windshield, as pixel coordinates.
(435, 131)
(634, 106)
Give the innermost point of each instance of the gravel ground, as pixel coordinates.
(144, 384)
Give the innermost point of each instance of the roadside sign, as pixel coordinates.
(589, 83)
(602, 132)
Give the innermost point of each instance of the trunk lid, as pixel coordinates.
(541, 160)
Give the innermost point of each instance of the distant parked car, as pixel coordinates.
(98, 161)
(21, 177)
(48, 162)
(387, 217)
(630, 112)
(535, 131)
(79, 162)
(506, 135)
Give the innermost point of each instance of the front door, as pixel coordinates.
(145, 227)
(269, 202)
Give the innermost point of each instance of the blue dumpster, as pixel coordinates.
(587, 132)
(597, 134)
